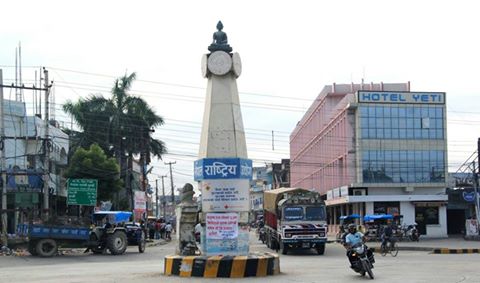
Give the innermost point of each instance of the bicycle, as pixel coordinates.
(390, 247)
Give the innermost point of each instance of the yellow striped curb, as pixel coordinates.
(456, 251)
(253, 265)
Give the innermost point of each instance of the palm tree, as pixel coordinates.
(120, 125)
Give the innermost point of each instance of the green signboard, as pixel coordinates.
(82, 192)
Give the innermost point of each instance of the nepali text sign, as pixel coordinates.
(222, 226)
(82, 192)
(401, 97)
(225, 195)
(222, 168)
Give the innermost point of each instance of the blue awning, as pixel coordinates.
(373, 217)
(352, 216)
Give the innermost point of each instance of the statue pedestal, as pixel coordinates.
(186, 221)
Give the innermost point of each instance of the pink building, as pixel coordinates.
(375, 149)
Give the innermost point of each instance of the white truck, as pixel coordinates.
(295, 218)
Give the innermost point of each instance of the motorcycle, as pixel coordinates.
(261, 234)
(362, 259)
(412, 233)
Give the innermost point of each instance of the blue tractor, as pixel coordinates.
(110, 231)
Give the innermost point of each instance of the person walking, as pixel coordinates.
(168, 231)
(158, 226)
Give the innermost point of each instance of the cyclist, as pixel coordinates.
(387, 235)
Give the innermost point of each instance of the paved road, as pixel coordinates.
(300, 267)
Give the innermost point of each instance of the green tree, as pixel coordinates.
(122, 124)
(93, 163)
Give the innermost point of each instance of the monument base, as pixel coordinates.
(253, 265)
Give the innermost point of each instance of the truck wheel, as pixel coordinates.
(46, 247)
(117, 243)
(321, 249)
(32, 248)
(141, 242)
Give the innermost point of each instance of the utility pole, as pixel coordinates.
(163, 198)
(156, 199)
(46, 148)
(3, 165)
(171, 181)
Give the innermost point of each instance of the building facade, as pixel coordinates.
(25, 164)
(373, 149)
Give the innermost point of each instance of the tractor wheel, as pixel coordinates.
(117, 243)
(46, 247)
(141, 242)
(32, 248)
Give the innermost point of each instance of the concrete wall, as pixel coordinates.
(407, 209)
(439, 230)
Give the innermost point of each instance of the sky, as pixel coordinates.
(289, 49)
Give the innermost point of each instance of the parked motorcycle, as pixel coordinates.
(412, 233)
(362, 259)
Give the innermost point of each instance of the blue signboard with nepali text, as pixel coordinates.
(222, 168)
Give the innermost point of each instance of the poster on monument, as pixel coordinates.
(222, 226)
(224, 236)
(225, 195)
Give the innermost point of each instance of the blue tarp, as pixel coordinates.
(353, 216)
(373, 217)
(114, 216)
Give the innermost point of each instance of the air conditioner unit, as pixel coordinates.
(358, 192)
(409, 189)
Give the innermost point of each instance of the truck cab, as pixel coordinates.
(295, 219)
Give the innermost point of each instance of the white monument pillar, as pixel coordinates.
(223, 170)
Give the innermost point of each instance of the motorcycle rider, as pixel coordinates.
(354, 237)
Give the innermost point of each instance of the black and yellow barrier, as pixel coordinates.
(253, 265)
(456, 251)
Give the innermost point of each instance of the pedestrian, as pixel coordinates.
(157, 229)
(151, 229)
(168, 231)
(162, 229)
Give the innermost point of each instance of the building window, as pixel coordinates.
(401, 122)
(403, 166)
(427, 215)
(392, 207)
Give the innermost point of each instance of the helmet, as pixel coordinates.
(352, 228)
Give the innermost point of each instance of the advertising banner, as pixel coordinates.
(140, 200)
(225, 195)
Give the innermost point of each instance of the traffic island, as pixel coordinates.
(253, 265)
